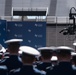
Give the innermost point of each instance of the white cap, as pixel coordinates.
(54, 58)
(2, 49)
(0, 46)
(47, 48)
(29, 50)
(13, 40)
(65, 48)
(73, 53)
(74, 43)
(53, 48)
(20, 52)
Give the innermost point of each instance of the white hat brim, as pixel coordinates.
(13, 40)
(73, 53)
(47, 48)
(65, 48)
(29, 50)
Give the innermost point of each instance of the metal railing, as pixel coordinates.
(48, 19)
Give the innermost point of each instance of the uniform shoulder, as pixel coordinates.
(3, 67)
(15, 70)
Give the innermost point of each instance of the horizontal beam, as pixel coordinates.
(29, 13)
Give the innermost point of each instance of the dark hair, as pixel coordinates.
(27, 58)
(46, 54)
(64, 53)
(13, 46)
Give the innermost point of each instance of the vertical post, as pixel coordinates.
(74, 27)
(22, 18)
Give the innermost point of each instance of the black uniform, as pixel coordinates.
(3, 70)
(12, 63)
(25, 70)
(64, 68)
(45, 66)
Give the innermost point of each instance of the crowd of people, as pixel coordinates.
(51, 60)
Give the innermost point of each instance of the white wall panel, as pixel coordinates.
(2, 7)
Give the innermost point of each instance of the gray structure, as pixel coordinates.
(56, 8)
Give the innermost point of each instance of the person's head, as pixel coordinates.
(13, 45)
(64, 53)
(28, 54)
(46, 53)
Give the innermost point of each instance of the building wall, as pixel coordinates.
(55, 7)
(2, 7)
(54, 38)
